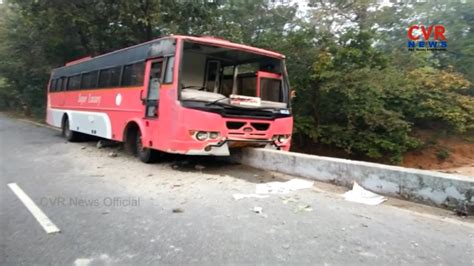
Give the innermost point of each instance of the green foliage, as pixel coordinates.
(442, 155)
(353, 114)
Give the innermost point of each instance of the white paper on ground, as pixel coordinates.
(283, 187)
(239, 196)
(257, 209)
(360, 195)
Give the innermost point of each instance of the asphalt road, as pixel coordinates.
(88, 194)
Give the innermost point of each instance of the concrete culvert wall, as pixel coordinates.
(429, 187)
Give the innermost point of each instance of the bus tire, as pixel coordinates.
(69, 134)
(145, 155)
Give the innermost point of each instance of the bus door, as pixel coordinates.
(152, 100)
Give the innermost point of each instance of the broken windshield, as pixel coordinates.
(219, 75)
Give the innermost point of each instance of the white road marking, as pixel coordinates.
(39, 215)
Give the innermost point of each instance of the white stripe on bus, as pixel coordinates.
(93, 123)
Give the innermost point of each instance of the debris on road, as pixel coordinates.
(283, 187)
(178, 210)
(83, 147)
(103, 143)
(258, 210)
(100, 144)
(360, 195)
(112, 154)
(304, 207)
(286, 200)
(82, 261)
(261, 190)
(239, 196)
(199, 167)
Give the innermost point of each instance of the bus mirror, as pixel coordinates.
(292, 94)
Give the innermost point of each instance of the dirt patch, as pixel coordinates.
(454, 154)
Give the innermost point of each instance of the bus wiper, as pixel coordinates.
(216, 101)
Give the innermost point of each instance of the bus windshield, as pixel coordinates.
(217, 74)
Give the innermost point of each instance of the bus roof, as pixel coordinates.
(154, 48)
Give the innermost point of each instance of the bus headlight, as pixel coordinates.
(214, 135)
(201, 135)
(282, 138)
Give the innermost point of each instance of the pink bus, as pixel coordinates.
(178, 94)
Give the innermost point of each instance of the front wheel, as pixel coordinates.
(145, 155)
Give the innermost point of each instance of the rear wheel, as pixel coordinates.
(145, 155)
(69, 134)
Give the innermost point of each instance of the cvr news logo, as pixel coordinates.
(427, 38)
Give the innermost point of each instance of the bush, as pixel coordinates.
(361, 104)
(442, 155)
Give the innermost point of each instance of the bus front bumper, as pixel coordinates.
(222, 148)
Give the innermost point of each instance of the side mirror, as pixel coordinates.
(292, 94)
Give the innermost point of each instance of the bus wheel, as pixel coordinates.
(145, 155)
(69, 134)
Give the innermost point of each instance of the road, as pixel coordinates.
(74, 184)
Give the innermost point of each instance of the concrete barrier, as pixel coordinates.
(434, 188)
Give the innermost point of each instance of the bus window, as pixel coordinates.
(57, 85)
(169, 70)
(63, 84)
(89, 80)
(270, 90)
(226, 80)
(74, 82)
(133, 74)
(237, 74)
(109, 77)
(212, 75)
(52, 85)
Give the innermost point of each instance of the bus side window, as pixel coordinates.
(109, 77)
(133, 74)
(63, 84)
(74, 82)
(57, 85)
(169, 70)
(52, 85)
(89, 80)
